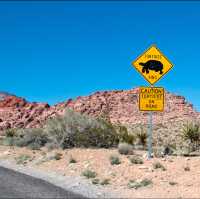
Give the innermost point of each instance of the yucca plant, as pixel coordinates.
(142, 137)
(191, 132)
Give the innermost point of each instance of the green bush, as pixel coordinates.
(76, 130)
(158, 165)
(22, 159)
(186, 168)
(173, 183)
(72, 160)
(125, 149)
(89, 174)
(33, 138)
(135, 184)
(7, 141)
(10, 132)
(142, 137)
(114, 160)
(105, 181)
(136, 160)
(191, 132)
(124, 136)
(95, 181)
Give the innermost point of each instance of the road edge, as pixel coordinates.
(76, 185)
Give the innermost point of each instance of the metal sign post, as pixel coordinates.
(150, 135)
(152, 65)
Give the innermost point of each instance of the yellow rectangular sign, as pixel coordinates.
(151, 99)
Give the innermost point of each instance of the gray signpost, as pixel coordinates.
(152, 65)
(150, 133)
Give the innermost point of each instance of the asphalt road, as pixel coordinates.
(17, 185)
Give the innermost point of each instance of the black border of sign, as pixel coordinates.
(163, 98)
(153, 45)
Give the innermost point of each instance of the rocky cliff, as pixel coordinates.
(118, 106)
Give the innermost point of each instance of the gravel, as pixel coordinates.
(77, 185)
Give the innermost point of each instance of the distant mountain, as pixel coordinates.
(117, 106)
(4, 94)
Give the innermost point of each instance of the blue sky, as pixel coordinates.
(52, 51)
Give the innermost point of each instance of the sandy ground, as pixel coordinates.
(187, 182)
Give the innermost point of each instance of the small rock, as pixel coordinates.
(150, 169)
(6, 153)
(143, 167)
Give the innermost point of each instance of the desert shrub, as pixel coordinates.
(33, 138)
(89, 174)
(173, 183)
(95, 181)
(133, 184)
(191, 132)
(158, 165)
(9, 138)
(142, 137)
(186, 168)
(161, 151)
(145, 182)
(103, 135)
(105, 181)
(22, 159)
(137, 184)
(124, 135)
(52, 156)
(10, 132)
(58, 156)
(114, 159)
(125, 149)
(72, 160)
(76, 130)
(7, 141)
(136, 160)
(34, 146)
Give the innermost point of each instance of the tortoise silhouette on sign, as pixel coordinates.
(155, 65)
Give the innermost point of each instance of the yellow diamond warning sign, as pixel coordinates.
(152, 64)
(151, 99)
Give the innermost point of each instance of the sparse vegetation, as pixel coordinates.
(22, 159)
(95, 181)
(58, 156)
(135, 184)
(31, 138)
(10, 132)
(105, 181)
(89, 174)
(191, 132)
(7, 141)
(136, 160)
(125, 149)
(158, 165)
(186, 168)
(72, 160)
(124, 135)
(173, 183)
(76, 130)
(142, 137)
(114, 159)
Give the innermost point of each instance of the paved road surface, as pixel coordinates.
(17, 185)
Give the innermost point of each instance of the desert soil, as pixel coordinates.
(186, 184)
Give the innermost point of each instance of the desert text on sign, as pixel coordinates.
(152, 64)
(151, 99)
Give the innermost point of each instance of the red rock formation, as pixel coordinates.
(119, 106)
